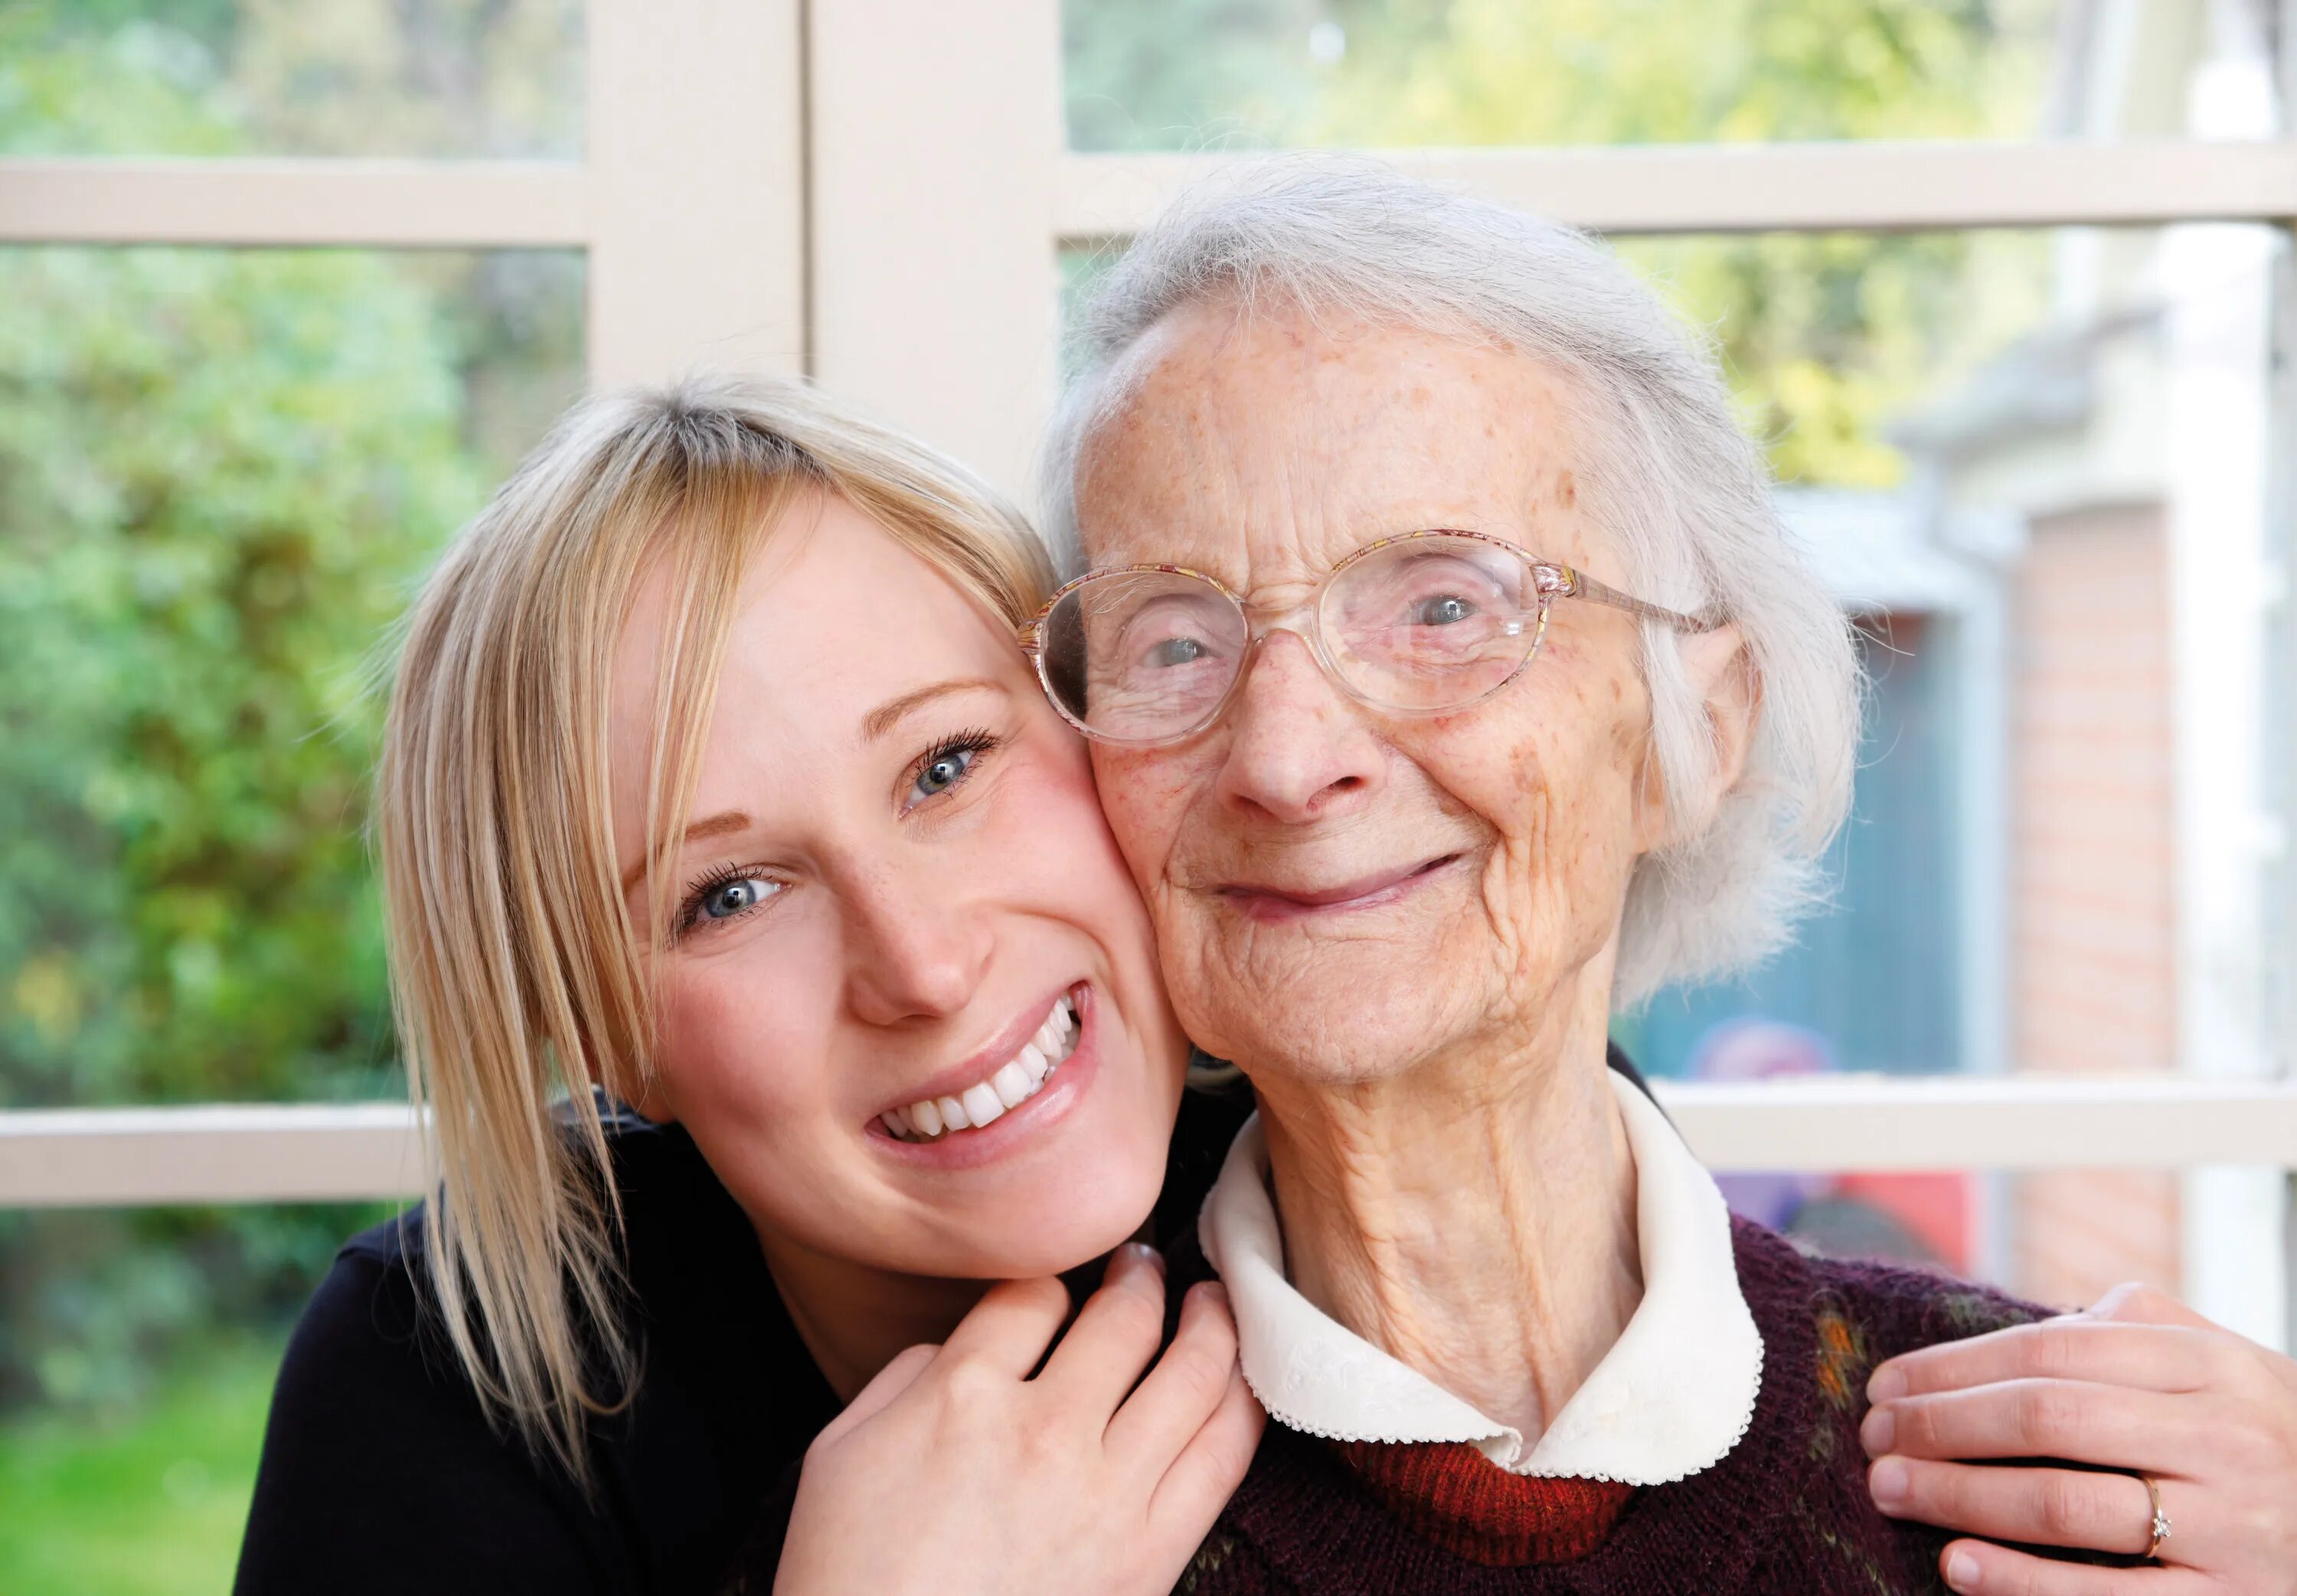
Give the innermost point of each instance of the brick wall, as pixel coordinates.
(2092, 980)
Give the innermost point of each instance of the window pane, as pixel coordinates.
(1396, 73)
(362, 77)
(223, 471)
(2000, 448)
(2059, 1238)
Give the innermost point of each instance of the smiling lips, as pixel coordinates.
(1269, 902)
(1011, 1084)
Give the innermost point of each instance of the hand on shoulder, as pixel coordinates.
(2138, 1383)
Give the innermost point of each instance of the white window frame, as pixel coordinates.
(873, 192)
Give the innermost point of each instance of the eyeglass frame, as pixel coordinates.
(1550, 579)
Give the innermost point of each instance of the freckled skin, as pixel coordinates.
(1264, 452)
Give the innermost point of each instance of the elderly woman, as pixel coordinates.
(1452, 686)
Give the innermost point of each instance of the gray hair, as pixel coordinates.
(1680, 490)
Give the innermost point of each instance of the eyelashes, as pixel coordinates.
(700, 890)
(946, 766)
(940, 771)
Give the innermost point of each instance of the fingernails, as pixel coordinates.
(1886, 1482)
(1132, 1258)
(1962, 1572)
(1879, 1432)
(1215, 1293)
(1888, 1384)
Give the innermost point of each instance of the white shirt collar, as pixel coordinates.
(1673, 1396)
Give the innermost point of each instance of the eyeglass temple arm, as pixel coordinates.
(1578, 584)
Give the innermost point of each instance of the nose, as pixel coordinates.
(1298, 751)
(913, 950)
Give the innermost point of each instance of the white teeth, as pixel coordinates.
(982, 1104)
(1015, 1082)
(1012, 1085)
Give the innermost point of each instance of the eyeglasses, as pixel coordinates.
(1416, 624)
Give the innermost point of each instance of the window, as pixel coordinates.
(2003, 281)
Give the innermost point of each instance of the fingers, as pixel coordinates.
(1188, 1382)
(2043, 1506)
(2132, 1303)
(2046, 1418)
(2147, 1357)
(1209, 1469)
(1113, 1337)
(874, 1398)
(1981, 1569)
(1010, 1327)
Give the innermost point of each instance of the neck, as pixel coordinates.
(854, 1318)
(1473, 1216)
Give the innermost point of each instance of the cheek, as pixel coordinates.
(1144, 794)
(1555, 782)
(1051, 851)
(733, 1034)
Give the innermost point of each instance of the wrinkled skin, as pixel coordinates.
(1429, 1053)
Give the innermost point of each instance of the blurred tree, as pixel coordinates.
(1824, 336)
(1185, 73)
(220, 472)
(219, 469)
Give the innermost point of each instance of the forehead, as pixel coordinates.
(1262, 446)
(833, 617)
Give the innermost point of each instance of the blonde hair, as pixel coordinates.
(518, 981)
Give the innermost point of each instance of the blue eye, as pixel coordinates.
(724, 895)
(944, 771)
(1177, 651)
(729, 899)
(947, 763)
(1449, 610)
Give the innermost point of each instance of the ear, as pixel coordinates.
(1720, 672)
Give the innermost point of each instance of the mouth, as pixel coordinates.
(1269, 902)
(968, 1108)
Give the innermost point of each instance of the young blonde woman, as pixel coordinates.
(775, 989)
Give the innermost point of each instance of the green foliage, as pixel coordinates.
(221, 473)
(1184, 72)
(148, 1506)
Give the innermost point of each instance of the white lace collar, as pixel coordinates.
(1671, 1397)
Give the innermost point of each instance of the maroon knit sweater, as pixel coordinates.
(1785, 1513)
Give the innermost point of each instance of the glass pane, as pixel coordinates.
(222, 469)
(1398, 73)
(2060, 1238)
(360, 77)
(136, 1356)
(2000, 448)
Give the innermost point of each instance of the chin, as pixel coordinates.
(1357, 1022)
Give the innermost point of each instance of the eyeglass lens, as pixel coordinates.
(1418, 624)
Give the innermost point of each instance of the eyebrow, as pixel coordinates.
(717, 825)
(875, 724)
(889, 714)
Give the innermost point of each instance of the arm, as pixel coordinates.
(380, 1474)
